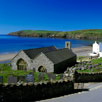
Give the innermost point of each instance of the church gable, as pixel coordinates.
(43, 60)
(20, 56)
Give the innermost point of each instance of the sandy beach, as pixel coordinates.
(82, 51)
(5, 57)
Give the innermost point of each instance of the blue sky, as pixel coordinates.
(59, 15)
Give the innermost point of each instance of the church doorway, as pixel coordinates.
(21, 65)
(42, 69)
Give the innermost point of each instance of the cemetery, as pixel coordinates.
(7, 75)
(86, 71)
(39, 85)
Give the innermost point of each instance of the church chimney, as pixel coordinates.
(68, 44)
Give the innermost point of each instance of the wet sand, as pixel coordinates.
(82, 51)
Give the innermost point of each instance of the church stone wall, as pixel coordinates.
(42, 60)
(21, 55)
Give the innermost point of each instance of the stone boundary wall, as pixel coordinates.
(87, 77)
(34, 91)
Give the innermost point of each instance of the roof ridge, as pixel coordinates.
(33, 52)
(58, 50)
(39, 48)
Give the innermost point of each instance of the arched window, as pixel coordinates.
(21, 65)
(42, 69)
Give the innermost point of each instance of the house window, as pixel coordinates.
(21, 65)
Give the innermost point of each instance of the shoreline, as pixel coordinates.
(80, 51)
(6, 57)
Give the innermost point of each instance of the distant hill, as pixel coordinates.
(90, 34)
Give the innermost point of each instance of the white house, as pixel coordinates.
(96, 50)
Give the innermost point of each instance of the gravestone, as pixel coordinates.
(29, 78)
(34, 70)
(31, 73)
(21, 78)
(99, 63)
(93, 66)
(89, 66)
(61, 76)
(89, 62)
(41, 76)
(51, 76)
(85, 62)
(9, 65)
(79, 68)
(97, 68)
(91, 70)
(76, 65)
(100, 47)
(79, 65)
(82, 68)
(0, 68)
(12, 79)
(1, 79)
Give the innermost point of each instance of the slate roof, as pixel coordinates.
(32, 53)
(60, 55)
(55, 55)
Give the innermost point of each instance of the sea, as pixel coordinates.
(13, 44)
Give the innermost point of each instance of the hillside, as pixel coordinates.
(90, 34)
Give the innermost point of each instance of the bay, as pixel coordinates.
(12, 44)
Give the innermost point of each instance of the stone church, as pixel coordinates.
(46, 59)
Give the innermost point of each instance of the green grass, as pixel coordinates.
(94, 61)
(46, 77)
(89, 71)
(58, 77)
(5, 71)
(36, 76)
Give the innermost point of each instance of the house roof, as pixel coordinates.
(60, 55)
(32, 53)
(55, 55)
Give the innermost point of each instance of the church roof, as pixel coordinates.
(32, 53)
(55, 55)
(60, 55)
